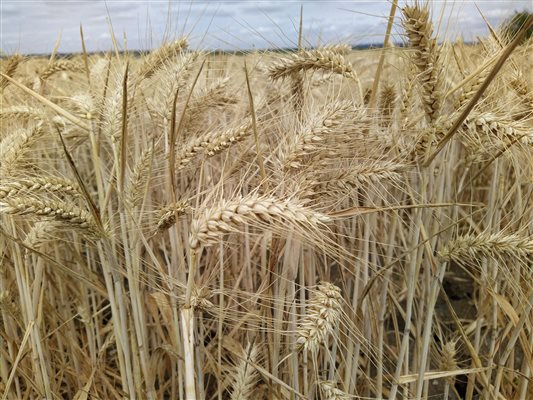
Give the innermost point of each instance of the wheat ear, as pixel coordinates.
(189, 151)
(318, 59)
(14, 147)
(58, 66)
(169, 214)
(112, 112)
(60, 211)
(227, 138)
(83, 104)
(520, 85)
(426, 57)
(448, 356)
(22, 112)
(212, 143)
(40, 233)
(360, 175)
(10, 305)
(486, 245)
(215, 95)
(49, 184)
(153, 61)
(139, 178)
(471, 88)
(245, 376)
(340, 48)
(208, 228)
(494, 126)
(320, 130)
(332, 392)
(387, 102)
(10, 69)
(170, 78)
(322, 316)
(406, 101)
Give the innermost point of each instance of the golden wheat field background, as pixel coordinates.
(317, 224)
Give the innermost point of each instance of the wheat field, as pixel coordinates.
(317, 224)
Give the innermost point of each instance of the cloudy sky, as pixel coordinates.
(34, 26)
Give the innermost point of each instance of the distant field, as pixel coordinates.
(326, 223)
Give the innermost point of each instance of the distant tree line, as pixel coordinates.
(513, 24)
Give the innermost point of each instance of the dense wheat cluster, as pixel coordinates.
(185, 225)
